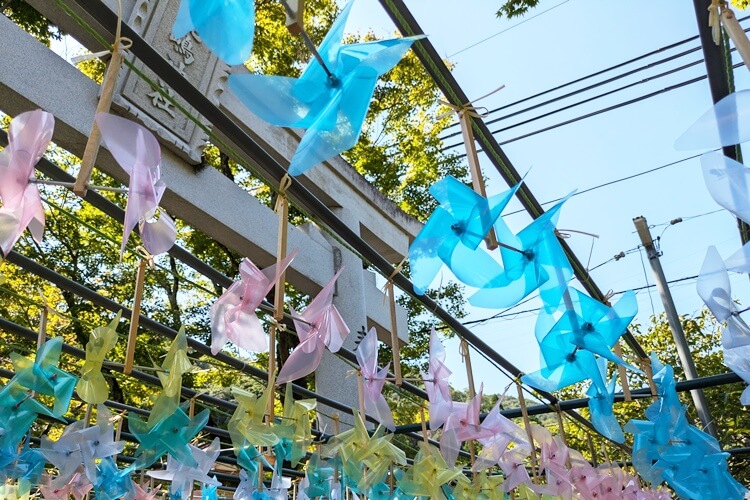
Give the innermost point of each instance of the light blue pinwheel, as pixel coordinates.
(112, 482)
(724, 124)
(533, 259)
(26, 466)
(452, 235)
(171, 434)
(41, 375)
(209, 492)
(332, 109)
(601, 404)
(14, 423)
(225, 26)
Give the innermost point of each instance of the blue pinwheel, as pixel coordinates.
(112, 482)
(42, 376)
(452, 235)
(533, 259)
(225, 26)
(171, 434)
(331, 107)
(601, 404)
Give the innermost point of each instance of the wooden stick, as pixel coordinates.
(336, 418)
(361, 395)
(282, 209)
(43, 317)
(646, 364)
(87, 416)
(737, 34)
(529, 433)
(425, 435)
(105, 103)
(592, 449)
(472, 393)
(623, 374)
(477, 179)
(395, 346)
(140, 279)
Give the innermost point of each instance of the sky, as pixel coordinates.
(557, 42)
(561, 41)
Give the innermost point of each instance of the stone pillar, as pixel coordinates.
(349, 298)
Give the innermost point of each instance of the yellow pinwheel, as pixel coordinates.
(174, 366)
(295, 425)
(92, 387)
(248, 419)
(429, 474)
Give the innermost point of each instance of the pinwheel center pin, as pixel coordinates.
(587, 327)
(459, 227)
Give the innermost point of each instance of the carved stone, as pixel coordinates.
(153, 21)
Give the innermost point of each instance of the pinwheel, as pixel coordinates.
(233, 314)
(65, 453)
(137, 151)
(512, 464)
(359, 451)
(183, 476)
(25, 465)
(15, 421)
(715, 289)
(171, 434)
(333, 107)
(112, 482)
(248, 420)
(532, 259)
(737, 360)
(725, 124)
(142, 494)
(452, 235)
(29, 135)
(585, 478)
(209, 492)
(436, 383)
(295, 426)
(374, 380)
(246, 488)
(97, 442)
(484, 487)
(503, 431)
(568, 365)
(428, 474)
(318, 327)
(53, 489)
(462, 425)
(226, 27)
(42, 376)
(600, 407)
(19, 491)
(92, 387)
(588, 324)
(318, 479)
(176, 363)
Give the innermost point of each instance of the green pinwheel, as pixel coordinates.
(92, 387)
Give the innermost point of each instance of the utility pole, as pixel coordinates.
(683, 349)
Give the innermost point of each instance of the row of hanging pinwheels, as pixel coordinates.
(536, 260)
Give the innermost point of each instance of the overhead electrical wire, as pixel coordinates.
(600, 72)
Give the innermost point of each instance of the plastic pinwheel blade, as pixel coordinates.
(436, 383)
(575, 367)
(226, 27)
(728, 183)
(332, 107)
(724, 124)
(374, 380)
(738, 360)
(29, 135)
(137, 151)
(540, 264)
(604, 420)
(92, 387)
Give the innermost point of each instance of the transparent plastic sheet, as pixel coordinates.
(226, 27)
(601, 405)
(726, 123)
(374, 380)
(728, 183)
(540, 264)
(29, 134)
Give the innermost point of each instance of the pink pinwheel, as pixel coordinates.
(554, 456)
(586, 478)
(374, 380)
(514, 468)
(318, 327)
(28, 136)
(142, 494)
(78, 486)
(503, 432)
(233, 314)
(138, 153)
(462, 425)
(436, 383)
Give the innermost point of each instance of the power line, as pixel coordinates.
(596, 85)
(598, 73)
(505, 30)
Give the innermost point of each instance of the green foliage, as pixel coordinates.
(740, 4)
(516, 8)
(30, 20)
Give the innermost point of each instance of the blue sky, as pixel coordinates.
(576, 38)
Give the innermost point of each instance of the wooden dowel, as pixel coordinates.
(361, 395)
(737, 34)
(425, 434)
(529, 433)
(395, 346)
(140, 279)
(477, 179)
(623, 374)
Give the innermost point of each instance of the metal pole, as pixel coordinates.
(683, 349)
